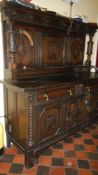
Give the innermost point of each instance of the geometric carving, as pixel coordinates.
(48, 121)
(52, 51)
(75, 50)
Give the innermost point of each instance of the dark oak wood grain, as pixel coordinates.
(49, 93)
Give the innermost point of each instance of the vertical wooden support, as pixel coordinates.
(11, 47)
(89, 49)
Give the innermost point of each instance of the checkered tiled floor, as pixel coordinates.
(76, 155)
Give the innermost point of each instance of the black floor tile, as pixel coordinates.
(83, 164)
(47, 152)
(77, 135)
(16, 168)
(88, 141)
(43, 170)
(68, 140)
(69, 154)
(57, 161)
(58, 146)
(7, 158)
(92, 156)
(85, 131)
(79, 147)
(71, 171)
(95, 136)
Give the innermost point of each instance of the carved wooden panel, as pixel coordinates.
(75, 50)
(71, 113)
(23, 51)
(91, 104)
(88, 106)
(81, 110)
(49, 120)
(53, 52)
(17, 121)
(25, 47)
(12, 119)
(74, 111)
(22, 119)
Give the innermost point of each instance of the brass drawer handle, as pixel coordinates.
(88, 88)
(70, 92)
(46, 97)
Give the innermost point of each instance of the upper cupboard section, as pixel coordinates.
(43, 39)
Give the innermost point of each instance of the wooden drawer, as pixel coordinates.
(55, 93)
(91, 87)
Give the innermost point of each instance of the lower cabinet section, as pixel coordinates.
(35, 120)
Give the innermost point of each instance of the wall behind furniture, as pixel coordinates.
(84, 7)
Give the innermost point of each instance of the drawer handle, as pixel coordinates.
(46, 97)
(70, 92)
(88, 88)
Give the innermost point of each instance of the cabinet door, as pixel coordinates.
(75, 50)
(49, 120)
(71, 112)
(74, 111)
(91, 104)
(52, 52)
(81, 112)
